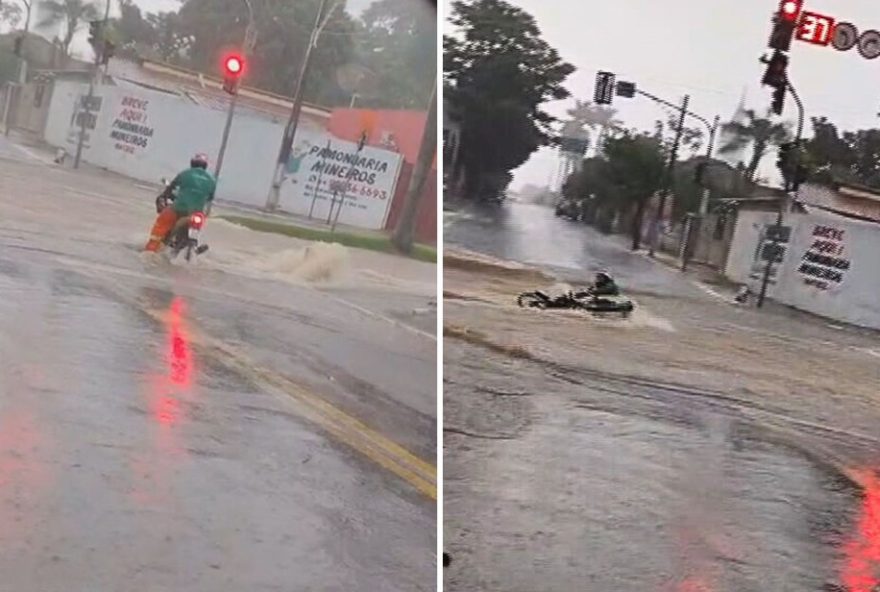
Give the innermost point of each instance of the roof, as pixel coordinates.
(846, 200)
(207, 90)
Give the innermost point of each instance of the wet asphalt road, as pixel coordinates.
(165, 428)
(571, 477)
(570, 250)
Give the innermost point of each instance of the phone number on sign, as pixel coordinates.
(351, 189)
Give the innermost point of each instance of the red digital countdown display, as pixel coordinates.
(815, 28)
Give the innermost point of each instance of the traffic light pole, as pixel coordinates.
(783, 203)
(247, 46)
(87, 107)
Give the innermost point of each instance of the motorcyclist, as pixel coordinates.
(604, 285)
(195, 189)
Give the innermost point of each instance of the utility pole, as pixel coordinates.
(774, 249)
(713, 131)
(250, 39)
(668, 178)
(87, 107)
(405, 230)
(274, 196)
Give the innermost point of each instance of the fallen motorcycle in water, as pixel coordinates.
(586, 301)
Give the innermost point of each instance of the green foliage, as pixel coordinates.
(393, 47)
(11, 14)
(397, 43)
(498, 73)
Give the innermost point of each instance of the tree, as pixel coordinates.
(73, 13)
(635, 169)
(850, 157)
(11, 14)
(759, 132)
(397, 43)
(499, 72)
(601, 118)
(283, 30)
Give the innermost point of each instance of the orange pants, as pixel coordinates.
(164, 224)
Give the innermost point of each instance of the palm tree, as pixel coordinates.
(759, 132)
(585, 114)
(73, 13)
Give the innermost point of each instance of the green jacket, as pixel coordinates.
(195, 188)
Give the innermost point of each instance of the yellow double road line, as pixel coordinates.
(354, 433)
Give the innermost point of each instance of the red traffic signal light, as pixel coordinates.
(233, 68)
(790, 10)
(234, 65)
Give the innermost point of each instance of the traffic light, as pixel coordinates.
(790, 164)
(801, 173)
(95, 33)
(626, 89)
(777, 71)
(790, 10)
(700, 173)
(778, 104)
(604, 94)
(233, 68)
(785, 23)
(108, 52)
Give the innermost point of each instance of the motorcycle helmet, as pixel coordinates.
(603, 278)
(199, 161)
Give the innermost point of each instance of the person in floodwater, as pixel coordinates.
(195, 190)
(604, 285)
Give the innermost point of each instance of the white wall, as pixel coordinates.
(847, 252)
(830, 268)
(176, 129)
(743, 255)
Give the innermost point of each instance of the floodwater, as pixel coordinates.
(625, 467)
(206, 427)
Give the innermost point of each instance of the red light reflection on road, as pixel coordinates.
(862, 551)
(166, 406)
(179, 354)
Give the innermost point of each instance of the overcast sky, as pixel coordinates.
(707, 48)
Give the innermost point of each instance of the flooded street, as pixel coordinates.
(254, 422)
(697, 446)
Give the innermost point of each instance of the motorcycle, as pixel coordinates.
(184, 237)
(575, 301)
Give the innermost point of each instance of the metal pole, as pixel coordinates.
(88, 102)
(274, 196)
(247, 46)
(226, 130)
(765, 280)
(670, 171)
(704, 202)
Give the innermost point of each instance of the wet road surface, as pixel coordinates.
(571, 250)
(696, 447)
(172, 428)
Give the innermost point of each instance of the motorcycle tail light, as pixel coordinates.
(197, 220)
